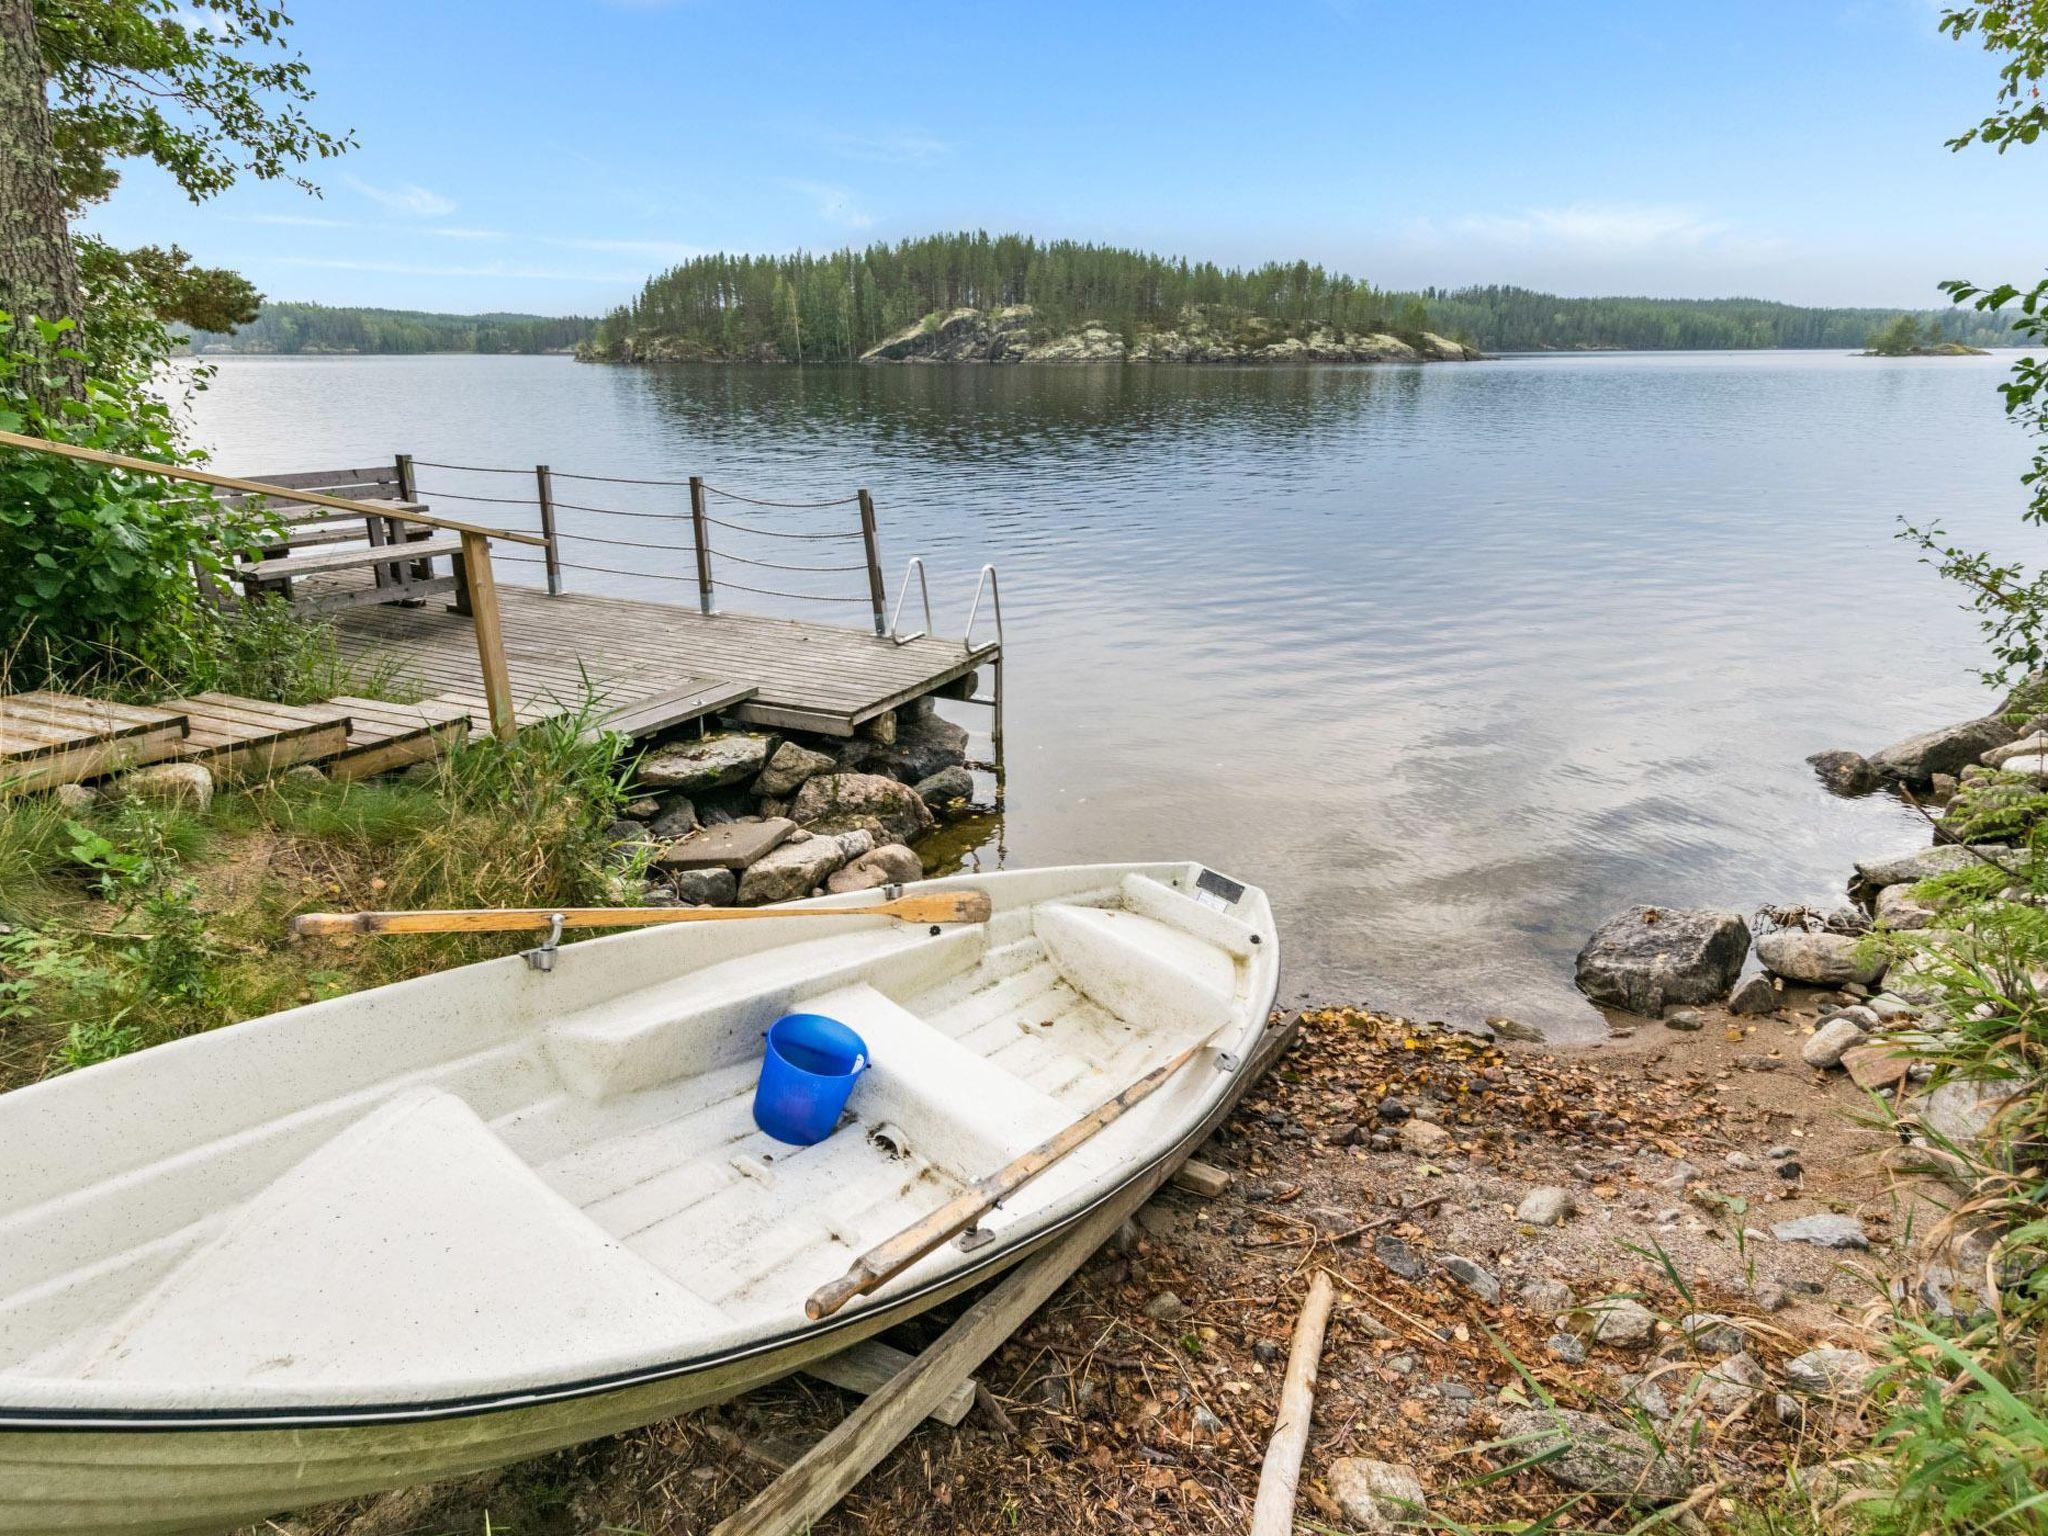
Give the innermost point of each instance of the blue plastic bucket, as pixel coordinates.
(811, 1066)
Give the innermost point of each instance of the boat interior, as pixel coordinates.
(498, 1177)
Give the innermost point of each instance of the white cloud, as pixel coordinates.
(457, 232)
(407, 198)
(428, 269)
(833, 202)
(904, 147)
(664, 250)
(296, 220)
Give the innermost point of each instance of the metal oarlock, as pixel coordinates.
(543, 958)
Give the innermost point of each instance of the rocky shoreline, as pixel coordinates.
(1016, 334)
(741, 817)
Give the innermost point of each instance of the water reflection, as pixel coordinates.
(1454, 660)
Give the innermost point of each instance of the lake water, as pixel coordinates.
(1454, 660)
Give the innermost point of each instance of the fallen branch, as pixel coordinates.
(1280, 1477)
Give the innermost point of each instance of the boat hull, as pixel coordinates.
(143, 1479)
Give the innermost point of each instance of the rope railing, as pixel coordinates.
(706, 558)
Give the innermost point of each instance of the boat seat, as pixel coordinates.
(1140, 968)
(414, 1247)
(959, 1110)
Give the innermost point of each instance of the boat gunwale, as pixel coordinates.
(18, 1420)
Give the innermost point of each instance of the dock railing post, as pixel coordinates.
(490, 634)
(872, 543)
(408, 490)
(544, 480)
(700, 530)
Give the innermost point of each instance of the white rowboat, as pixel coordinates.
(429, 1229)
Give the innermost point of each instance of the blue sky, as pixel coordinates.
(548, 156)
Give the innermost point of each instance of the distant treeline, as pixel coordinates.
(834, 306)
(319, 328)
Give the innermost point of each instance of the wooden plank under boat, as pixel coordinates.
(425, 1230)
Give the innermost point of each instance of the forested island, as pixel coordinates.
(1907, 336)
(1013, 298)
(319, 328)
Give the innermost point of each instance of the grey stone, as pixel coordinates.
(1846, 773)
(1422, 1137)
(1887, 1008)
(1898, 908)
(796, 869)
(1375, 1496)
(1825, 1230)
(732, 757)
(1685, 1019)
(1647, 1394)
(1910, 868)
(736, 845)
(1399, 1257)
(1754, 996)
(1563, 1346)
(2008, 757)
(1712, 1333)
(949, 792)
(840, 802)
(1740, 1162)
(1824, 1047)
(1729, 1387)
(303, 774)
(1166, 1308)
(1621, 1322)
(1944, 750)
(185, 786)
(676, 818)
(1545, 1206)
(74, 799)
(706, 887)
(787, 769)
(1958, 1111)
(1819, 959)
(890, 864)
(1473, 1276)
(1770, 1296)
(1649, 957)
(1583, 1451)
(1546, 1297)
(1826, 1372)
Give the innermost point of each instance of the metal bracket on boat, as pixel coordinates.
(1228, 1061)
(543, 958)
(975, 1237)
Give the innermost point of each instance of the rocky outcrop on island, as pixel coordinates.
(1016, 334)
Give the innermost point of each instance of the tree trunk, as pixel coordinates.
(38, 269)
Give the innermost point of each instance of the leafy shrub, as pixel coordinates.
(100, 578)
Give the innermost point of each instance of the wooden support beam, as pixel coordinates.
(835, 1465)
(482, 589)
(1199, 1178)
(871, 1365)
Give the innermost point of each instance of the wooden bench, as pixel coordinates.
(385, 491)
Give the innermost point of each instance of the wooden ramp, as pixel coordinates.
(655, 665)
(48, 739)
(236, 738)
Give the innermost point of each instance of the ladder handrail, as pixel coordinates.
(995, 591)
(902, 592)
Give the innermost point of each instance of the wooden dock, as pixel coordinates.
(656, 665)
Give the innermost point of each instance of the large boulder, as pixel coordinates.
(839, 802)
(922, 746)
(1649, 957)
(948, 794)
(796, 869)
(1846, 773)
(1919, 758)
(1911, 868)
(1585, 1452)
(1820, 959)
(787, 770)
(731, 757)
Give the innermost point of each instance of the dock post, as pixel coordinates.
(407, 490)
(995, 733)
(490, 634)
(700, 529)
(545, 481)
(872, 544)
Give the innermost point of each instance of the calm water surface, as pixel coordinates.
(1453, 660)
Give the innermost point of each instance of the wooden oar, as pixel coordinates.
(892, 1256)
(923, 907)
